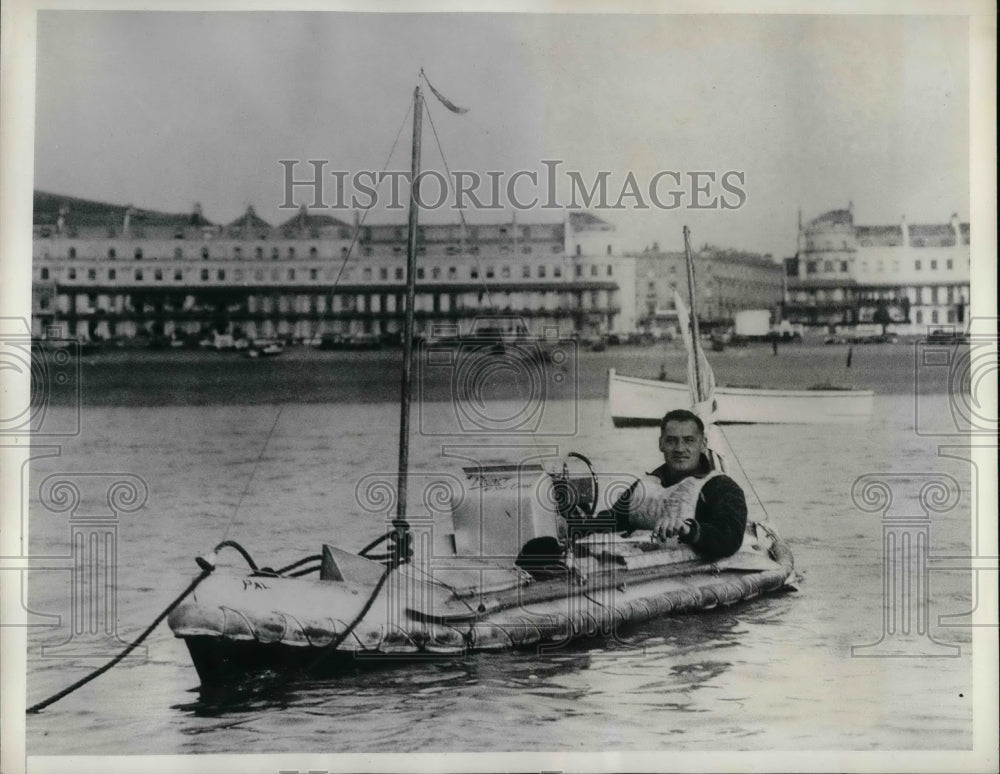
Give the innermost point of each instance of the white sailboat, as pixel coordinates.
(636, 402)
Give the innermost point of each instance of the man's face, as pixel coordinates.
(682, 444)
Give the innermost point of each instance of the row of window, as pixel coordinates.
(367, 273)
(938, 294)
(812, 267)
(314, 251)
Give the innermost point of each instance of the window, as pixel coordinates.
(291, 274)
(474, 273)
(138, 253)
(274, 275)
(436, 272)
(237, 252)
(557, 248)
(452, 272)
(179, 253)
(72, 274)
(810, 267)
(221, 274)
(934, 316)
(399, 273)
(949, 264)
(238, 275)
(111, 253)
(204, 275)
(178, 275)
(526, 272)
(420, 272)
(314, 273)
(91, 274)
(367, 251)
(274, 254)
(610, 271)
(45, 273)
(933, 265)
(920, 316)
(259, 253)
(593, 270)
(827, 266)
(526, 249)
(72, 252)
(158, 275)
(579, 270)
(138, 275)
(843, 266)
(291, 252)
(951, 315)
(383, 273)
(916, 265)
(313, 252)
(557, 271)
(112, 274)
(204, 253)
(489, 272)
(541, 272)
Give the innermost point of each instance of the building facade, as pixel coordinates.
(104, 271)
(726, 282)
(905, 276)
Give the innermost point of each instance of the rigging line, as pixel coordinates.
(253, 472)
(461, 213)
(364, 217)
(475, 256)
(743, 471)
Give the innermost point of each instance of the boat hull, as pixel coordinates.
(236, 627)
(638, 402)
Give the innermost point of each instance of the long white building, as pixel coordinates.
(103, 271)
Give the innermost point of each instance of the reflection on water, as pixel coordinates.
(773, 673)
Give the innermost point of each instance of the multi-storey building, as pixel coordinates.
(726, 282)
(104, 271)
(907, 275)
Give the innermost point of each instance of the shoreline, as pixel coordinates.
(144, 377)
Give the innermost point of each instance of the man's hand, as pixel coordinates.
(669, 526)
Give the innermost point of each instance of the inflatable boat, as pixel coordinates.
(518, 561)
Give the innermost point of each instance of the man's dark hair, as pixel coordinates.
(681, 415)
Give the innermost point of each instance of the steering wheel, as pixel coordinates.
(588, 512)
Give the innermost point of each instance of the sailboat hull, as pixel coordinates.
(638, 402)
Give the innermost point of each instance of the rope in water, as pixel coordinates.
(149, 629)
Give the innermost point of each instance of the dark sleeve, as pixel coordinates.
(720, 519)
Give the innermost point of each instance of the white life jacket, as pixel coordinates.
(680, 499)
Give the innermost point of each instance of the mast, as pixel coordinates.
(694, 314)
(399, 523)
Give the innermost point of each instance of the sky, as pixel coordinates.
(163, 110)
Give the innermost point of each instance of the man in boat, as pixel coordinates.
(685, 497)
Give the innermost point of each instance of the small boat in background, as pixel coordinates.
(636, 402)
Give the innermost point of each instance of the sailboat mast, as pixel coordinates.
(694, 313)
(411, 274)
